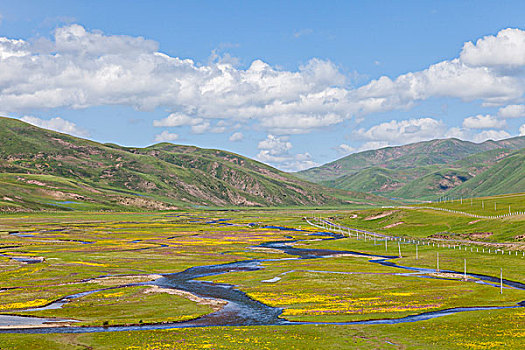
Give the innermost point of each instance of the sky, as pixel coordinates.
(294, 84)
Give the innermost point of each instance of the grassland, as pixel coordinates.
(420, 222)
(117, 255)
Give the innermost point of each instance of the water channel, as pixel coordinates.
(240, 309)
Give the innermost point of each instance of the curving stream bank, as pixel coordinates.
(240, 309)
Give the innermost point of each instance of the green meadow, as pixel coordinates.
(116, 257)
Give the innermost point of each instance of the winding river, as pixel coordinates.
(240, 309)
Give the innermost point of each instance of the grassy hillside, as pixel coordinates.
(506, 176)
(426, 170)
(43, 169)
(413, 155)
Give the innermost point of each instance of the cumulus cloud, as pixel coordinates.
(483, 122)
(403, 131)
(395, 132)
(370, 145)
(522, 130)
(200, 128)
(345, 149)
(57, 124)
(13, 48)
(458, 133)
(166, 136)
(275, 145)
(236, 136)
(275, 150)
(512, 111)
(494, 135)
(507, 48)
(79, 68)
(177, 119)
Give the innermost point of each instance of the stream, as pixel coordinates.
(240, 309)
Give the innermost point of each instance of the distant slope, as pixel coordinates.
(42, 169)
(442, 151)
(423, 170)
(506, 176)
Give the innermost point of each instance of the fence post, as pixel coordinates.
(501, 281)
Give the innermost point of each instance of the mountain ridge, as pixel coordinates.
(422, 170)
(36, 162)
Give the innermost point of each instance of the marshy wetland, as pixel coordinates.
(250, 279)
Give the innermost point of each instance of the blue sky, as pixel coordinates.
(294, 84)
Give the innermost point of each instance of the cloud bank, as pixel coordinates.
(79, 68)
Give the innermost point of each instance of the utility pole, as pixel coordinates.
(501, 281)
(399, 247)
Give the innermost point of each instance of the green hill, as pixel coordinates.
(43, 169)
(423, 170)
(506, 176)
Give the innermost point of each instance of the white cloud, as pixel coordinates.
(512, 111)
(403, 131)
(13, 48)
(57, 124)
(522, 130)
(166, 136)
(286, 124)
(275, 145)
(507, 48)
(200, 128)
(457, 133)
(275, 150)
(79, 68)
(491, 135)
(218, 129)
(177, 119)
(345, 149)
(373, 145)
(483, 122)
(75, 40)
(236, 136)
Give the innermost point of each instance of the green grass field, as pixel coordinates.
(106, 252)
(429, 223)
(486, 206)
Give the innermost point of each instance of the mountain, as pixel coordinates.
(505, 176)
(43, 169)
(423, 170)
